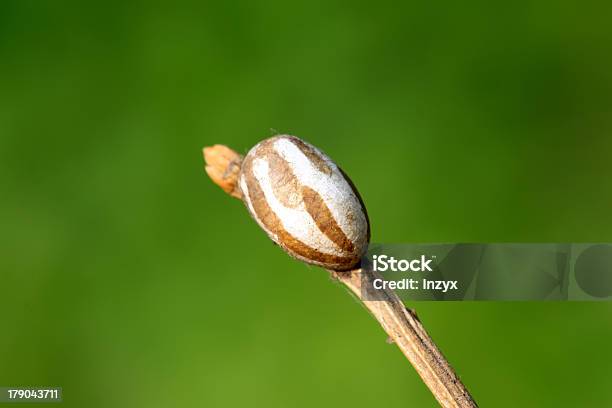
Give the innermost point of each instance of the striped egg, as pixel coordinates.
(305, 203)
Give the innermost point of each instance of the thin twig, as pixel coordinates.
(401, 324)
(405, 329)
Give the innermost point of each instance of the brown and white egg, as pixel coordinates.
(305, 203)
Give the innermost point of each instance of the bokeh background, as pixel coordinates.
(130, 280)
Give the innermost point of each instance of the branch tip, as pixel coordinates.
(223, 167)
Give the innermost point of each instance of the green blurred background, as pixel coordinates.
(130, 280)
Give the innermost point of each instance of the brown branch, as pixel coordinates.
(401, 324)
(405, 329)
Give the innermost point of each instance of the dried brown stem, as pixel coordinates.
(405, 329)
(401, 324)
